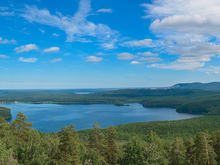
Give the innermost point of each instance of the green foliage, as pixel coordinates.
(112, 148)
(134, 152)
(7, 155)
(32, 147)
(5, 113)
(69, 146)
(204, 151)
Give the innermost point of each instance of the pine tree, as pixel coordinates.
(178, 152)
(21, 125)
(134, 152)
(204, 151)
(7, 156)
(96, 149)
(190, 151)
(97, 139)
(112, 149)
(216, 144)
(69, 146)
(154, 151)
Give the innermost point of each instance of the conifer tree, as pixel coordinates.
(96, 149)
(178, 152)
(112, 149)
(204, 151)
(134, 152)
(21, 125)
(190, 151)
(216, 144)
(154, 150)
(69, 146)
(97, 139)
(7, 156)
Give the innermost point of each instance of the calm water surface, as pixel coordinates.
(51, 117)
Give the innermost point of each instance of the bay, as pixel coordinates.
(51, 117)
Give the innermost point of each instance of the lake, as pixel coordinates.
(51, 117)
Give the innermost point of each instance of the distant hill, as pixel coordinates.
(212, 86)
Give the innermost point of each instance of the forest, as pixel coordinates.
(20, 144)
(194, 101)
(190, 141)
(5, 113)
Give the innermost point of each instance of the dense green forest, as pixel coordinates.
(183, 100)
(20, 144)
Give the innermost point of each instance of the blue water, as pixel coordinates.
(51, 117)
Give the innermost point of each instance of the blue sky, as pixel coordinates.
(108, 44)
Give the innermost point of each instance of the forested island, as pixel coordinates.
(5, 113)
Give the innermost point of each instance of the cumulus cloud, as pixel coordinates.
(3, 56)
(105, 11)
(55, 60)
(77, 27)
(5, 41)
(125, 56)
(52, 49)
(27, 59)
(138, 43)
(93, 59)
(26, 48)
(148, 54)
(192, 28)
(134, 62)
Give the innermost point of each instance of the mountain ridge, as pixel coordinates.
(211, 86)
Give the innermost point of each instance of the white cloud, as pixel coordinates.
(138, 43)
(5, 41)
(192, 28)
(191, 16)
(179, 66)
(147, 54)
(3, 56)
(77, 27)
(7, 13)
(134, 62)
(55, 60)
(105, 10)
(93, 59)
(26, 48)
(52, 49)
(210, 69)
(27, 59)
(125, 56)
(150, 59)
(4, 8)
(100, 53)
(55, 35)
(42, 31)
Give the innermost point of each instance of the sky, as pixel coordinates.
(67, 44)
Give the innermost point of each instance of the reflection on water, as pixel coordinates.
(51, 117)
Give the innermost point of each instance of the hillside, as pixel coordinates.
(212, 86)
